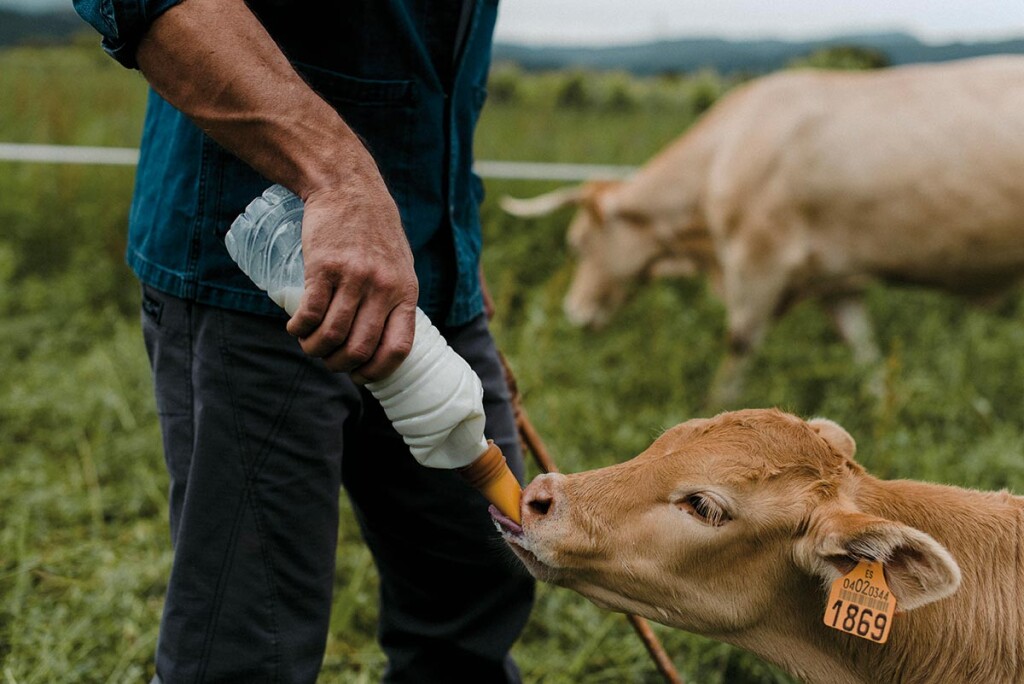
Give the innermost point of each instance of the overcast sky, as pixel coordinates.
(604, 21)
(625, 21)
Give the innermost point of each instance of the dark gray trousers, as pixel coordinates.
(258, 439)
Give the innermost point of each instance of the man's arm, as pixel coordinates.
(213, 60)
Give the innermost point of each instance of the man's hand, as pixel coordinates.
(214, 61)
(359, 307)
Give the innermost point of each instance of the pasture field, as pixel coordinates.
(84, 549)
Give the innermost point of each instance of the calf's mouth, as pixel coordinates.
(505, 524)
(521, 544)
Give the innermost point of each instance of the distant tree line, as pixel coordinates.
(614, 91)
(738, 56)
(605, 91)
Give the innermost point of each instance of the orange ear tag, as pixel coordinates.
(861, 603)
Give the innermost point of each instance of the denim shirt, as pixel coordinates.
(376, 63)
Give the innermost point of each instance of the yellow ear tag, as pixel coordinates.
(861, 603)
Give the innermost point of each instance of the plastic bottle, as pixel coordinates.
(434, 399)
(266, 243)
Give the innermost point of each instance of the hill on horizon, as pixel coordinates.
(665, 56)
(731, 56)
(60, 26)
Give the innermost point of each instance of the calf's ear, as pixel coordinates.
(918, 569)
(833, 433)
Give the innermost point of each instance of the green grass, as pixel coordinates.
(84, 549)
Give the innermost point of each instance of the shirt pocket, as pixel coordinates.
(380, 112)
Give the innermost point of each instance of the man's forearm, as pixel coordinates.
(214, 61)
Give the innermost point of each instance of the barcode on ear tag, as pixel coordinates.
(861, 603)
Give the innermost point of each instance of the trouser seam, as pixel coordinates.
(226, 564)
(250, 496)
(219, 590)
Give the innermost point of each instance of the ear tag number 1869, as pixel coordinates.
(861, 603)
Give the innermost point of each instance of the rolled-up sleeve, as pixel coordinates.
(122, 23)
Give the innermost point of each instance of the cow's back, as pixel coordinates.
(911, 172)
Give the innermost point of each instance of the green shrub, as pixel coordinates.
(843, 57)
(574, 91)
(503, 84)
(705, 89)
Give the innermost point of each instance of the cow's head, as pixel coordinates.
(719, 522)
(616, 246)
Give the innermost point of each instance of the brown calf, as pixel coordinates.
(734, 527)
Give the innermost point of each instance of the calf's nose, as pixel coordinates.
(541, 497)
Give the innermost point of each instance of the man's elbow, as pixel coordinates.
(122, 23)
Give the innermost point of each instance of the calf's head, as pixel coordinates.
(615, 247)
(717, 522)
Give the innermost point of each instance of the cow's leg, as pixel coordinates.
(753, 290)
(850, 316)
(728, 383)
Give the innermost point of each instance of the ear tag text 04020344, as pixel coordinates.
(861, 603)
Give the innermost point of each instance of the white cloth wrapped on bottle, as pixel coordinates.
(434, 399)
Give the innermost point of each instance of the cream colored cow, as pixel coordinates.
(812, 183)
(733, 527)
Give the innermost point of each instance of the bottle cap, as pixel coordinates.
(491, 475)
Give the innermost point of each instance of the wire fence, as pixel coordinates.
(126, 156)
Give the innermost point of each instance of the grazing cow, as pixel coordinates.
(733, 527)
(811, 183)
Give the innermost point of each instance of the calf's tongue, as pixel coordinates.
(504, 522)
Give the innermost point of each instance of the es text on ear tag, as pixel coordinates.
(861, 603)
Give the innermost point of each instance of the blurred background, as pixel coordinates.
(84, 547)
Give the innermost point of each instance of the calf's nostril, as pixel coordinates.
(540, 497)
(540, 506)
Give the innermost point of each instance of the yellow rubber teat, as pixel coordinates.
(490, 474)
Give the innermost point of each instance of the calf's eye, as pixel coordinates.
(704, 508)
